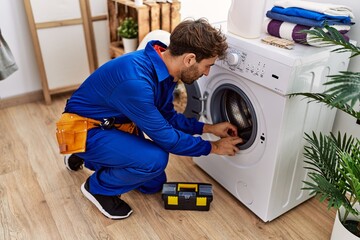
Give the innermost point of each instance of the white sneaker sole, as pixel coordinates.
(92, 199)
(66, 162)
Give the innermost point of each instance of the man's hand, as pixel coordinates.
(226, 146)
(224, 129)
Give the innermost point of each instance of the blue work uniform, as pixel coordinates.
(135, 87)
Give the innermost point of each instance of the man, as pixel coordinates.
(138, 88)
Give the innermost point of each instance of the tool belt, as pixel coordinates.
(71, 131)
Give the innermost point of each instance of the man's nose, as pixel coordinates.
(206, 72)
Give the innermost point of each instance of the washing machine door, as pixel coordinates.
(229, 103)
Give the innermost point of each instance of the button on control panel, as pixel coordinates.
(238, 61)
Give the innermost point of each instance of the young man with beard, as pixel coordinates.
(136, 89)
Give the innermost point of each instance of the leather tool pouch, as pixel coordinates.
(71, 133)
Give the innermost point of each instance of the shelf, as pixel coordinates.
(116, 49)
(149, 16)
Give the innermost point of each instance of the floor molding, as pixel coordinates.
(21, 99)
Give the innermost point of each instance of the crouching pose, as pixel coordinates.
(130, 96)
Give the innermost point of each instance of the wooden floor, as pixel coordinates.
(40, 199)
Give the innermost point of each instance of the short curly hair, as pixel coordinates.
(198, 37)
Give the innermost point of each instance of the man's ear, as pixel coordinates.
(189, 59)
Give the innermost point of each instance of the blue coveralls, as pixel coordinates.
(135, 87)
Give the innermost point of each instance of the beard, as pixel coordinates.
(190, 75)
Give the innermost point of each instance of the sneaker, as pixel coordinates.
(111, 206)
(73, 162)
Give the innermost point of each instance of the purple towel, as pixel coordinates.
(293, 32)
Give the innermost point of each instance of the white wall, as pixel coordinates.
(14, 27)
(213, 10)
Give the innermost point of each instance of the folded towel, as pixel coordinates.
(293, 32)
(299, 12)
(329, 9)
(304, 21)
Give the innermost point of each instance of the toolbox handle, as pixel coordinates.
(188, 185)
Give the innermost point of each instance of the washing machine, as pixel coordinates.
(250, 88)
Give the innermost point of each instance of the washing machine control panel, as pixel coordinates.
(237, 60)
(257, 68)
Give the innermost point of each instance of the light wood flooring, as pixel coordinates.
(40, 199)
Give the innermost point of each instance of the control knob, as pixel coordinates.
(232, 59)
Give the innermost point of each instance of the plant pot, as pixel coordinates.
(339, 232)
(130, 44)
(138, 2)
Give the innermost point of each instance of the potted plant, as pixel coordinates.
(334, 160)
(128, 31)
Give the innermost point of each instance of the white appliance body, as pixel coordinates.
(246, 17)
(267, 174)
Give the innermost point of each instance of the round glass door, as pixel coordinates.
(229, 103)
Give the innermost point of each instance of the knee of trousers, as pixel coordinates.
(159, 161)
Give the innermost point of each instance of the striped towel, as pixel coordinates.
(291, 31)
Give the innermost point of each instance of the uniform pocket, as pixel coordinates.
(71, 136)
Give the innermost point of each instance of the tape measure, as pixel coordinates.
(187, 196)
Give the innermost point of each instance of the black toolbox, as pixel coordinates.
(187, 196)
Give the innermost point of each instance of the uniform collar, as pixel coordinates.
(160, 67)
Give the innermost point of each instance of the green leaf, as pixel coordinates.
(330, 36)
(329, 100)
(350, 169)
(321, 154)
(128, 28)
(334, 162)
(345, 88)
